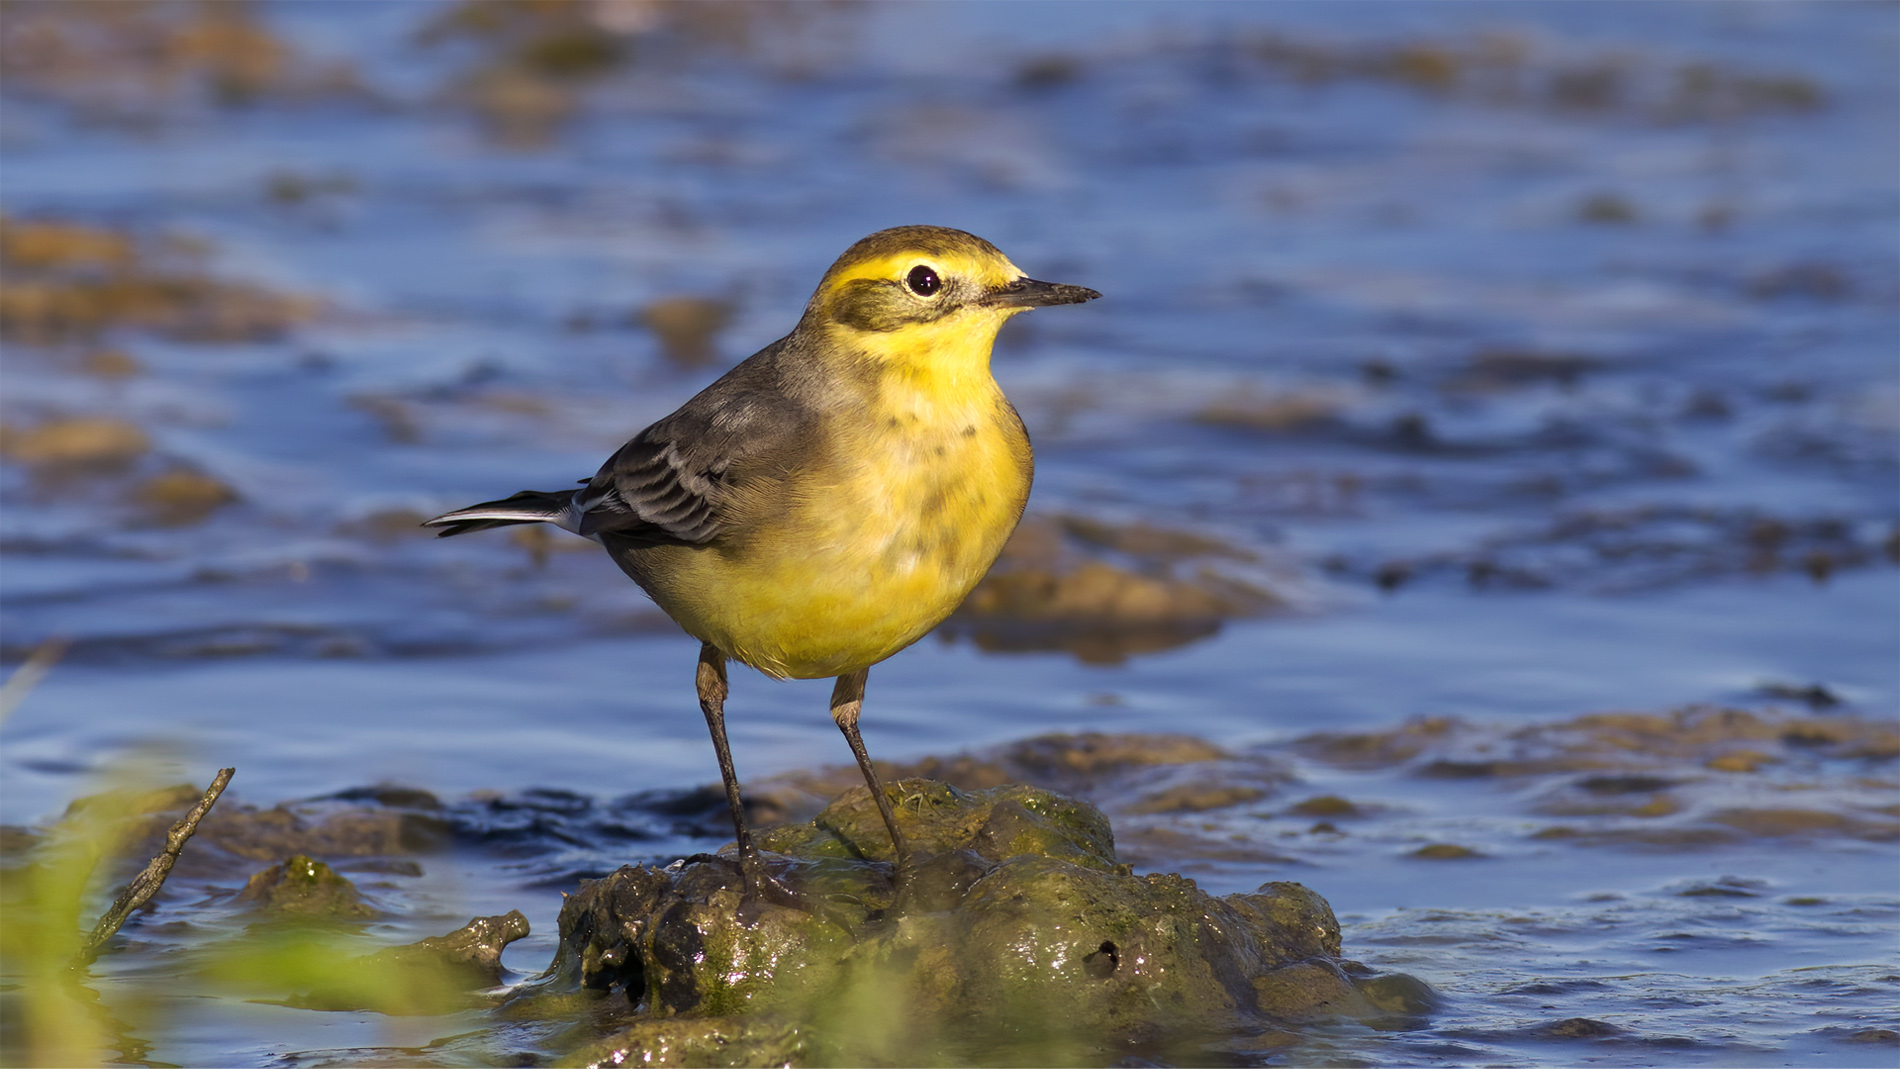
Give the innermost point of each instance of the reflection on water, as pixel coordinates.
(1488, 366)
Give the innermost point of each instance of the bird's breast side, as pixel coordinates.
(873, 541)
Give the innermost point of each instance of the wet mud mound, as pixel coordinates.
(1020, 940)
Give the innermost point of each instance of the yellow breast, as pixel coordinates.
(872, 544)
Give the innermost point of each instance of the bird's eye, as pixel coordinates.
(923, 281)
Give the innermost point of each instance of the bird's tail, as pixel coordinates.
(528, 506)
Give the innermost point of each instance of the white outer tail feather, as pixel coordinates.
(567, 516)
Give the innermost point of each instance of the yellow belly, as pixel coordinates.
(862, 555)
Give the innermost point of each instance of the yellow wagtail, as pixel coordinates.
(833, 497)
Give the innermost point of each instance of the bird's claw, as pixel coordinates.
(763, 887)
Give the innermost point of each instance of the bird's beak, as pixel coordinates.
(1028, 293)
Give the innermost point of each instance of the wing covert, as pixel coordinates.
(671, 483)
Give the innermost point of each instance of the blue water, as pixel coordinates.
(1260, 230)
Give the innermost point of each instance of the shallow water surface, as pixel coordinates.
(1506, 365)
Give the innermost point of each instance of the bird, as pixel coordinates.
(834, 496)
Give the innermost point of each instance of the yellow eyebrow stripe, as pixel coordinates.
(989, 271)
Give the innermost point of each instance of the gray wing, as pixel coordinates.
(673, 481)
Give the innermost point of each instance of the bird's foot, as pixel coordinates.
(927, 883)
(904, 885)
(761, 886)
(763, 889)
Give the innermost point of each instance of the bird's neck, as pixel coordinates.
(949, 359)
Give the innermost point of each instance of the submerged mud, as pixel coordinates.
(1104, 592)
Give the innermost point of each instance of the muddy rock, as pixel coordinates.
(1445, 852)
(1147, 782)
(1286, 413)
(131, 63)
(181, 497)
(1647, 547)
(386, 823)
(1578, 1028)
(307, 888)
(473, 949)
(1326, 805)
(248, 832)
(110, 364)
(700, 1041)
(533, 64)
(1105, 592)
(686, 326)
(1638, 779)
(85, 442)
(1885, 1037)
(1020, 939)
(439, 974)
(1623, 743)
(1128, 775)
(70, 281)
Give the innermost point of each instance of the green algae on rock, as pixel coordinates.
(1020, 940)
(304, 887)
(439, 974)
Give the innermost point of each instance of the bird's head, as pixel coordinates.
(926, 294)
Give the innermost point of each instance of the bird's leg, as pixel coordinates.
(711, 680)
(847, 698)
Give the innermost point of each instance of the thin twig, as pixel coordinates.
(147, 883)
